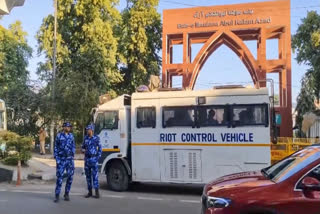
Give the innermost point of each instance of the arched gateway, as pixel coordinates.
(231, 25)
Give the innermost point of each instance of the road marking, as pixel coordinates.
(104, 196)
(76, 193)
(151, 199)
(25, 191)
(190, 201)
(113, 196)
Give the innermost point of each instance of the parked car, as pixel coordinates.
(290, 186)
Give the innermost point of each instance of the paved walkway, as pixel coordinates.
(49, 156)
(41, 167)
(52, 162)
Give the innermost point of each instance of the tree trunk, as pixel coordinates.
(51, 137)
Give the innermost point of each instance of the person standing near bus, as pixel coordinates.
(64, 150)
(42, 139)
(92, 150)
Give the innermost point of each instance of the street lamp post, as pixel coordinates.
(54, 73)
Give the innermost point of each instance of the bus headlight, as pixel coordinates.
(215, 202)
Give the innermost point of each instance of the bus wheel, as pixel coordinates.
(117, 177)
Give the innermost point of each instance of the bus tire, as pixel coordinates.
(117, 177)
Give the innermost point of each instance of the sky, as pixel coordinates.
(223, 66)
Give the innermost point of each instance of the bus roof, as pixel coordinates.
(206, 93)
(115, 103)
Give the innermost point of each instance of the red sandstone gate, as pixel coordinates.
(231, 25)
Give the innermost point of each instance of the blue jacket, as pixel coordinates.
(64, 146)
(92, 146)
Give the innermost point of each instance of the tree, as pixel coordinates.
(87, 51)
(316, 38)
(140, 43)
(14, 56)
(305, 102)
(306, 43)
(14, 76)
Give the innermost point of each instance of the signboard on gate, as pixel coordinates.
(278, 119)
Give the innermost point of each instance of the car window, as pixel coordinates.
(292, 164)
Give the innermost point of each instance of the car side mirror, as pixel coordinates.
(310, 184)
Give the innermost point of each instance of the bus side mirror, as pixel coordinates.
(274, 140)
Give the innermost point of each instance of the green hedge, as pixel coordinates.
(17, 148)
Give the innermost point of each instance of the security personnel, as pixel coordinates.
(91, 147)
(64, 151)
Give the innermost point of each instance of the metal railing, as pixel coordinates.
(286, 146)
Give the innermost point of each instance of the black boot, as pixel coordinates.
(66, 197)
(56, 199)
(97, 194)
(89, 194)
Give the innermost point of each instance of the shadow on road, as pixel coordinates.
(174, 189)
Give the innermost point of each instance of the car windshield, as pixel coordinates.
(287, 167)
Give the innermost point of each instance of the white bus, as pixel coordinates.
(183, 136)
(3, 116)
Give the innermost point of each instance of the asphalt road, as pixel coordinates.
(36, 198)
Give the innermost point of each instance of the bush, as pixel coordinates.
(11, 159)
(17, 147)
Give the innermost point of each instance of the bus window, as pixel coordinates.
(146, 117)
(178, 116)
(106, 120)
(212, 116)
(250, 115)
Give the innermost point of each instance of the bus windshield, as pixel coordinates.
(106, 120)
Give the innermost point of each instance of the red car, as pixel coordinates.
(291, 186)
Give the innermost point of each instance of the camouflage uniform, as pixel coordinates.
(93, 150)
(64, 151)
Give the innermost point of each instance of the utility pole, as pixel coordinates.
(54, 73)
